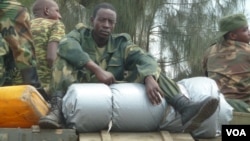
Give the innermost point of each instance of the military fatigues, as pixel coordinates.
(228, 64)
(14, 28)
(125, 60)
(4, 50)
(45, 31)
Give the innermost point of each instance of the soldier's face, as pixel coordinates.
(241, 35)
(53, 11)
(103, 23)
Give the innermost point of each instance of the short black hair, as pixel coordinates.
(104, 5)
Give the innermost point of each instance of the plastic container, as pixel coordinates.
(21, 106)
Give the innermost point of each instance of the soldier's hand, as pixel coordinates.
(105, 77)
(153, 90)
(101, 75)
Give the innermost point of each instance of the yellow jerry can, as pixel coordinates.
(21, 106)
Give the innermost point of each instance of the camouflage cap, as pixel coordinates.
(230, 23)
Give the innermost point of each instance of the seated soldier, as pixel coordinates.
(91, 55)
(228, 62)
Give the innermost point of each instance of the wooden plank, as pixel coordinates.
(182, 137)
(210, 139)
(90, 137)
(166, 136)
(27, 134)
(240, 118)
(105, 136)
(135, 136)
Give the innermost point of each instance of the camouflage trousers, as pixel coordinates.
(15, 29)
(64, 74)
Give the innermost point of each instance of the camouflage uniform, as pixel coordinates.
(125, 60)
(14, 27)
(228, 64)
(45, 31)
(4, 50)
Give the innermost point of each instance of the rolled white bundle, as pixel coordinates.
(132, 110)
(88, 107)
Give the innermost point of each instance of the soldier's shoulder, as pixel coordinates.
(37, 22)
(80, 26)
(122, 36)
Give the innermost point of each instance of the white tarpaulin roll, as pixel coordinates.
(88, 107)
(132, 110)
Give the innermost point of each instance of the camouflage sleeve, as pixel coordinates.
(70, 49)
(143, 63)
(57, 32)
(4, 49)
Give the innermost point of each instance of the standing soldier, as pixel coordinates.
(15, 30)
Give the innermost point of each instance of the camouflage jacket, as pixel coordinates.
(228, 64)
(15, 29)
(125, 60)
(45, 31)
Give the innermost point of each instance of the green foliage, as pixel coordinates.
(188, 28)
(27, 3)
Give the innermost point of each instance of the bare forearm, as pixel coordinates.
(148, 78)
(93, 67)
(51, 53)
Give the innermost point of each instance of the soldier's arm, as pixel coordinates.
(102, 75)
(56, 34)
(51, 53)
(139, 61)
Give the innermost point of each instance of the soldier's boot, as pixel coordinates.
(30, 77)
(194, 113)
(54, 119)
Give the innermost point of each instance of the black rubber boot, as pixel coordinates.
(54, 119)
(194, 113)
(30, 77)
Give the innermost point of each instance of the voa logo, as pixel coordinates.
(236, 132)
